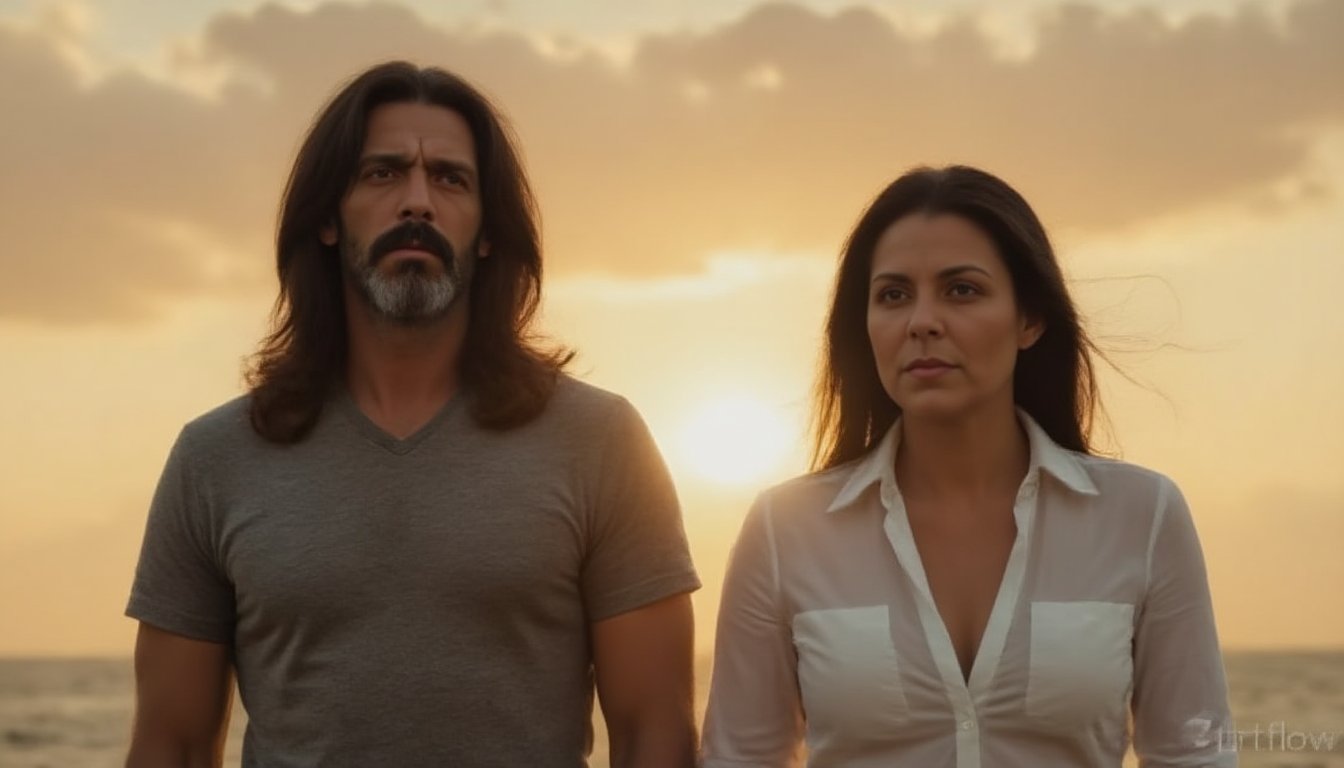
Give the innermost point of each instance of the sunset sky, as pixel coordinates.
(698, 165)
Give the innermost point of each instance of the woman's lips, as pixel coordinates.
(930, 369)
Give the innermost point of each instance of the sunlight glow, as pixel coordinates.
(734, 440)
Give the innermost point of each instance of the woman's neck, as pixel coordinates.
(974, 456)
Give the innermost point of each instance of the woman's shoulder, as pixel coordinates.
(1115, 475)
(812, 493)
(1128, 493)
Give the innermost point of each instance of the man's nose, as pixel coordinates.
(416, 203)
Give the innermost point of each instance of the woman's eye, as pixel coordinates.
(887, 295)
(963, 290)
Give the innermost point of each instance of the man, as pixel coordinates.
(415, 541)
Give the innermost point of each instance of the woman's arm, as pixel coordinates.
(1181, 714)
(754, 716)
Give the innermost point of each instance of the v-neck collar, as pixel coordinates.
(344, 403)
(994, 637)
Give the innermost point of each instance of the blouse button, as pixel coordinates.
(966, 725)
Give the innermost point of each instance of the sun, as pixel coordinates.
(734, 440)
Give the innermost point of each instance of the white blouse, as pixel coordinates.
(827, 629)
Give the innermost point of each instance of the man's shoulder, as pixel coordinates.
(583, 415)
(226, 424)
(574, 398)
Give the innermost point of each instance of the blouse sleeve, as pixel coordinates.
(1181, 715)
(754, 717)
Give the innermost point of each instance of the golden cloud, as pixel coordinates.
(770, 133)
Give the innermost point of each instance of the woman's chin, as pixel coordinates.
(935, 406)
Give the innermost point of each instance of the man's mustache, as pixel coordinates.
(412, 234)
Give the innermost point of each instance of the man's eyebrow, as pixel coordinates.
(943, 274)
(394, 159)
(444, 164)
(402, 161)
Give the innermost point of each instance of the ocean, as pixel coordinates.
(62, 713)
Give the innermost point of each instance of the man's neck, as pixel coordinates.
(401, 376)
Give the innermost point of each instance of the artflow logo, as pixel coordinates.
(1201, 732)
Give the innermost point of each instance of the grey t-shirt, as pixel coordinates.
(413, 602)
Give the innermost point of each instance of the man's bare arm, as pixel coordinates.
(645, 682)
(183, 691)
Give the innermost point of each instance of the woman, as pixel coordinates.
(962, 583)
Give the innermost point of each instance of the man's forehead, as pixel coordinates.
(412, 128)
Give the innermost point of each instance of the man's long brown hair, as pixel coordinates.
(303, 357)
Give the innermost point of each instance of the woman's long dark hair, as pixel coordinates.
(304, 355)
(1053, 380)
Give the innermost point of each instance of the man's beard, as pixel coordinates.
(411, 295)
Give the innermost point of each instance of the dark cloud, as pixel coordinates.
(770, 132)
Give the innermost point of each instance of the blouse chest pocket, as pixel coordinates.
(848, 673)
(1082, 661)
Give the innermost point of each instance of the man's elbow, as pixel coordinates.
(667, 741)
(157, 749)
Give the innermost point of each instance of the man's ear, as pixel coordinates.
(328, 234)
